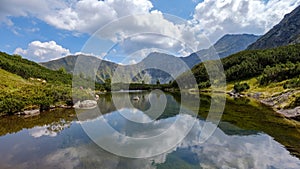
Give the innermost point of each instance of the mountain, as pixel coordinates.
(285, 33)
(106, 68)
(162, 67)
(123, 73)
(227, 45)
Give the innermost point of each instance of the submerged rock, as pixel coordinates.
(86, 104)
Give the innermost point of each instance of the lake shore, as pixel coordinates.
(279, 102)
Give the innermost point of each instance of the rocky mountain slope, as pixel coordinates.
(227, 45)
(285, 33)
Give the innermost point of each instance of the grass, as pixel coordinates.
(271, 90)
(267, 91)
(18, 94)
(10, 82)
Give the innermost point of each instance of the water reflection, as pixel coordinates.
(130, 132)
(63, 144)
(51, 129)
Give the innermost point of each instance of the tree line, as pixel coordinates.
(270, 65)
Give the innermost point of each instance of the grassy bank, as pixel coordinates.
(281, 97)
(18, 94)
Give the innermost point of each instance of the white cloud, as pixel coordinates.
(219, 17)
(37, 8)
(214, 18)
(89, 15)
(85, 16)
(42, 51)
(150, 31)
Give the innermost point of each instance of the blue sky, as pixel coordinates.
(43, 30)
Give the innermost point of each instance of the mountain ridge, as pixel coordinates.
(286, 32)
(227, 45)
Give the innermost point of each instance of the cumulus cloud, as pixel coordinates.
(149, 31)
(87, 16)
(139, 46)
(43, 51)
(37, 8)
(213, 18)
(218, 17)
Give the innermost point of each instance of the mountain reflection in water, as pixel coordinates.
(62, 143)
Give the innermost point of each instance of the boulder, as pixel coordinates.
(30, 112)
(86, 104)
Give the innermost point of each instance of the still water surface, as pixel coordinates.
(249, 136)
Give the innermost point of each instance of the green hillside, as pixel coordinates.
(271, 65)
(274, 74)
(18, 94)
(27, 85)
(105, 69)
(28, 69)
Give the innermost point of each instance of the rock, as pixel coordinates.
(291, 113)
(235, 95)
(86, 104)
(64, 106)
(256, 95)
(32, 112)
(277, 99)
(231, 93)
(29, 112)
(96, 97)
(52, 107)
(136, 98)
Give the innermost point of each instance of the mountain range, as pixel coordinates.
(227, 45)
(148, 70)
(285, 33)
(281, 38)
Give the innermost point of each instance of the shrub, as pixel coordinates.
(241, 87)
(11, 105)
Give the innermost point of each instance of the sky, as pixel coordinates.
(125, 31)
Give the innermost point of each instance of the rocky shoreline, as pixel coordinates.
(86, 104)
(35, 112)
(277, 102)
(291, 113)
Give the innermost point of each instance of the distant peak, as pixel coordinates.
(239, 35)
